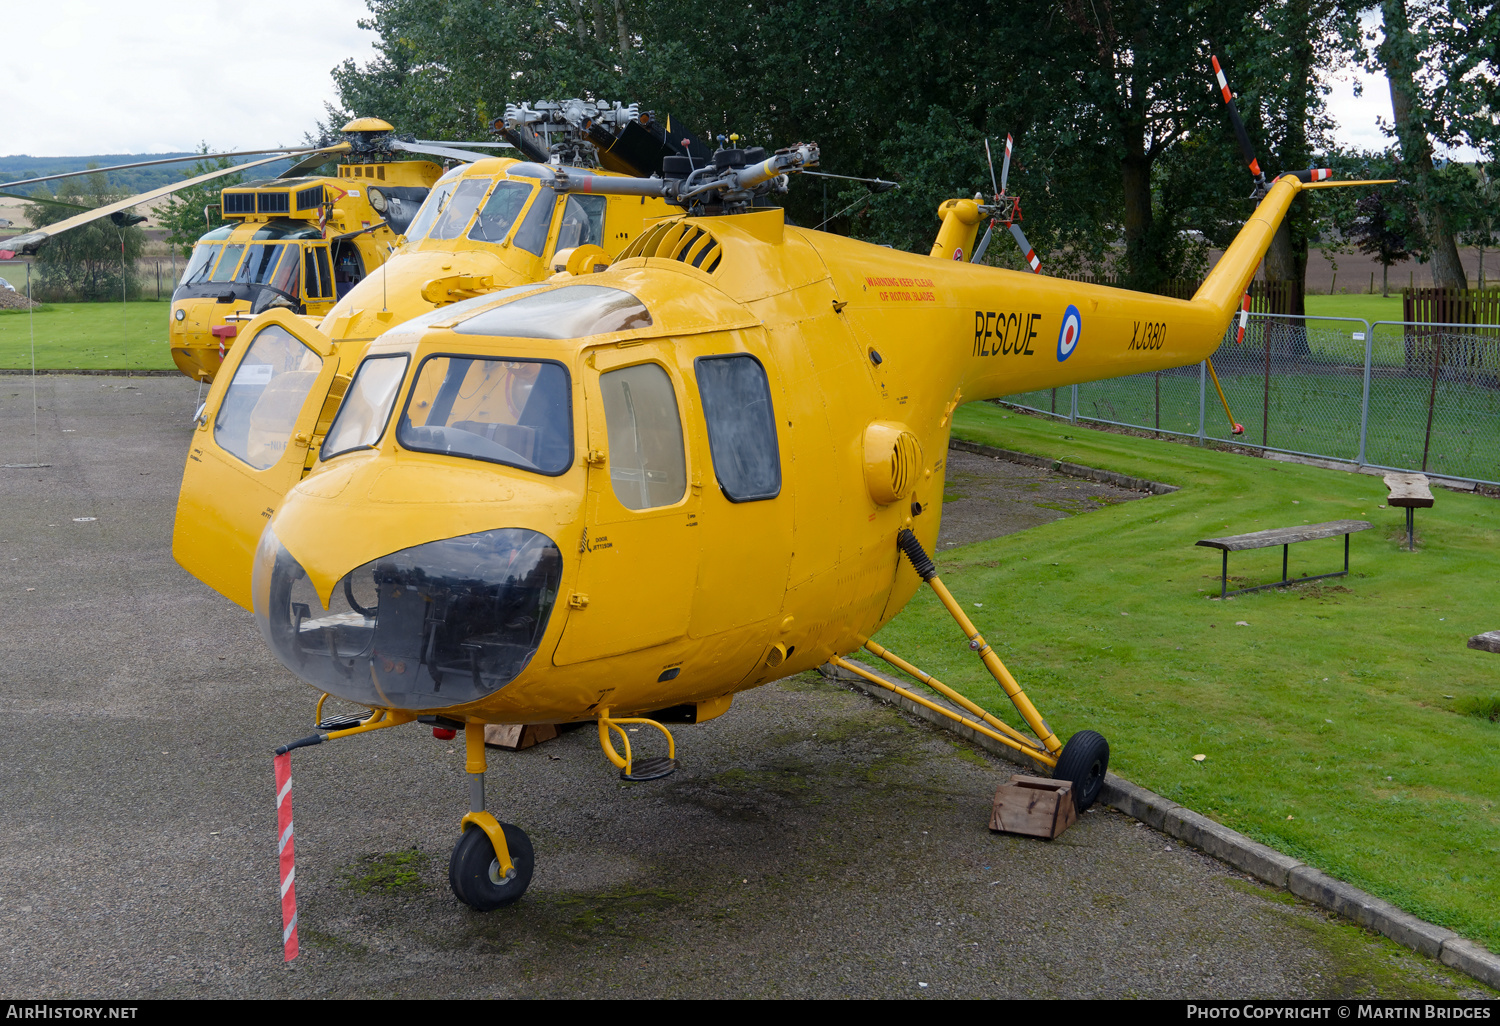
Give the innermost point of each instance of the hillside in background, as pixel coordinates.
(15, 168)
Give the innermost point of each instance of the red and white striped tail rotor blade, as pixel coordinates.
(1235, 119)
(1005, 165)
(1244, 319)
(1031, 257)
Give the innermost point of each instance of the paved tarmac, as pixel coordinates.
(815, 844)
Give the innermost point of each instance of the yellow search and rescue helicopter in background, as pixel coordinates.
(304, 243)
(627, 492)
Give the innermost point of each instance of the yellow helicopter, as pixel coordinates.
(625, 493)
(294, 242)
(489, 225)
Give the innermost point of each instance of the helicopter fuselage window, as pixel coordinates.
(367, 405)
(741, 426)
(500, 212)
(228, 264)
(535, 226)
(260, 407)
(200, 264)
(573, 311)
(515, 412)
(582, 221)
(455, 217)
(647, 466)
(436, 202)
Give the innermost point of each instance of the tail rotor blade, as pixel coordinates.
(991, 161)
(1005, 167)
(1031, 257)
(1239, 125)
(984, 244)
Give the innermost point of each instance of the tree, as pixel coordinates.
(1481, 224)
(1280, 62)
(1120, 136)
(183, 214)
(1400, 53)
(1376, 231)
(88, 262)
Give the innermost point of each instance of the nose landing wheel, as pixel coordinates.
(475, 873)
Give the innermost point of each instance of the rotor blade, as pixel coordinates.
(1031, 257)
(438, 151)
(32, 241)
(316, 160)
(47, 200)
(153, 163)
(991, 161)
(481, 145)
(984, 243)
(1005, 167)
(1238, 123)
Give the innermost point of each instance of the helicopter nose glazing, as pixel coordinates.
(430, 626)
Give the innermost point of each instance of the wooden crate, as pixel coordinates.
(516, 736)
(1034, 806)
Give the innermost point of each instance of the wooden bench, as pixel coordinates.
(1412, 492)
(1285, 537)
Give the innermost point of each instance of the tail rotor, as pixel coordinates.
(1005, 209)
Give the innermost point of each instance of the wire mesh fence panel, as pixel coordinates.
(1435, 400)
(1295, 383)
(1045, 400)
(1161, 401)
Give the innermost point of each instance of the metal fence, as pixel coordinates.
(1393, 394)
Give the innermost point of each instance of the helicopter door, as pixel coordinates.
(638, 559)
(249, 448)
(317, 276)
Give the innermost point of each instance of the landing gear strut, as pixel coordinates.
(1084, 760)
(491, 864)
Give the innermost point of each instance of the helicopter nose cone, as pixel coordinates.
(434, 625)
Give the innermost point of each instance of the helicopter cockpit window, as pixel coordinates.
(532, 235)
(228, 264)
(500, 212)
(260, 265)
(437, 201)
(455, 218)
(200, 264)
(573, 311)
(741, 426)
(260, 408)
(582, 222)
(646, 463)
(515, 412)
(367, 405)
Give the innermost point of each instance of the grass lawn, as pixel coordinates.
(87, 336)
(1331, 720)
(1370, 308)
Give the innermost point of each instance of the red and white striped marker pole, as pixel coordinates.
(1244, 318)
(286, 850)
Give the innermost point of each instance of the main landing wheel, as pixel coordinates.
(474, 871)
(1084, 761)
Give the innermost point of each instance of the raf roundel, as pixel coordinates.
(1069, 333)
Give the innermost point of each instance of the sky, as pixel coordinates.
(81, 77)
